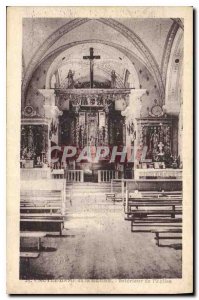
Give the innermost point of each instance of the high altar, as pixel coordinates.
(92, 114)
(98, 117)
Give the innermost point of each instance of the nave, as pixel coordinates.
(97, 243)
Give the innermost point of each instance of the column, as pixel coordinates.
(131, 113)
(52, 114)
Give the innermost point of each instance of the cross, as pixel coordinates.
(91, 58)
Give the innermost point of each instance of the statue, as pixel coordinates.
(161, 153)
(70, 79)
(154, 139)
(161, 146)
(113, 79)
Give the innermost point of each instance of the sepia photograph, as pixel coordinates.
(102, 192)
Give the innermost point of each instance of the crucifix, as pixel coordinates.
(91, 58)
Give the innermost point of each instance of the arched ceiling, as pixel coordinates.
(147, 29)
(110, 59)
(143, 38)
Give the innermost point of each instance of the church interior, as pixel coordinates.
(101, 148)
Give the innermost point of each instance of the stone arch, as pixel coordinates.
(129, 34)
(125, 51)
(167, 50)
(174, 74)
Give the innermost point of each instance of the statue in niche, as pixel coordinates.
(70, 79)
(84, 101)
(167, 134)
(100, 101)
(161, 134)
(161, 153)
(161, 146)
(154, 139)
(113, 79)
(30, 137)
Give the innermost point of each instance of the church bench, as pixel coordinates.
(36, 235)
(148, 223)
(28, 255)
(113, 197)
(110, 196)
(41, 200)
(151, 198)
(166, 185)
(48, 224)
(40, 215)
(154, 212)
(38, 208)
(135, 204)
(169, 235)
(42, 205)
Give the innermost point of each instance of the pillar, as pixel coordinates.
(52, 114)
(131, 113)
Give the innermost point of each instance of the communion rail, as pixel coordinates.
(107, 175)
(74, 175)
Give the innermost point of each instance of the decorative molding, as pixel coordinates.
(45, 46)
(93, 91)
(175, 70)
(139, 44)
(29, 112)
(167, 50)
(128, 53)
(179, 22)
(134, 104)
(32, 121)
(130, 35)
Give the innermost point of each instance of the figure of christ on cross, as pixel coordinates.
(91, 58)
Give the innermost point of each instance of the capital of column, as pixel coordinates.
(52, 111)
(49, 96)
(134, 104)
(172, 108)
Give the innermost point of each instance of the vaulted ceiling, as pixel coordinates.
(123, 44)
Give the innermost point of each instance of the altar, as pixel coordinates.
(158, 173)
(35, 174)
(91, 117)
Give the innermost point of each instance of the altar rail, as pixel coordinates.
(142, 185)
(107, 175)
(58, 174)
(35, 173)
(161, 173)
(74, 175)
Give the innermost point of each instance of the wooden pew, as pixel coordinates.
(27, 256)
(42, 206)
(154, 186)
(113, 197)
(153, 210)
(169, 234)
(148, 197)
(36, 235)
(39, 200)
(150, 224)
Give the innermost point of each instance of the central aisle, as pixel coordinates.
(98, 244)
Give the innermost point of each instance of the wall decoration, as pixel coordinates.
(53, 129)
(29, 111)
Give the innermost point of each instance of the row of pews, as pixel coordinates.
(158, 212)
(42, 213)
